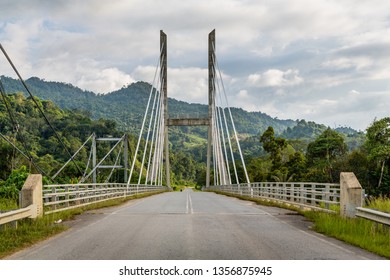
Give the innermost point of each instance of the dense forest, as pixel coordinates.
(274, 150)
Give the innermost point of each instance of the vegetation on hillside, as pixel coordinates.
(293, 150)
(126, 106)
(325, 157)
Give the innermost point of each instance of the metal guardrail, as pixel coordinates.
(373, 215)
(312, 195)
(15, 215)
(63, 197)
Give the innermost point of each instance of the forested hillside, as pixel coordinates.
(127, 105)
(28, 132)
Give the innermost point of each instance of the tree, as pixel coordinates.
(274, 146)
(323, 152)
(378, 144)
(297, 166)
(329, 145)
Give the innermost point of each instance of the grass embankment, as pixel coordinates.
(360, 232)
(30, 231)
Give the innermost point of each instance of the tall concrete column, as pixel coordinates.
(211, 60)
(164, 90)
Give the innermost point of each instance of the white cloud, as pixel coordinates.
(104, 80)
(338, 46)
(353, 93)
(242, 94)
(343, 63)
(188, 84)
(276, 78)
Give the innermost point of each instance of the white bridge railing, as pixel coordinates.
(312, 195)
(62, 197)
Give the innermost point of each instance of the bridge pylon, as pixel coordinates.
(190, 121)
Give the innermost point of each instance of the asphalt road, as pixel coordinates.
(191, 225)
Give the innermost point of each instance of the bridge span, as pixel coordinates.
(191, 225)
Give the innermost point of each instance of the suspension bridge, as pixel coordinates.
(152, 149)
(179, 225)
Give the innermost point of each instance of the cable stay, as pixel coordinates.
(221, 91)
(151, 115)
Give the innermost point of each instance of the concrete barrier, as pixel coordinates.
(351, 194)
(31, 194)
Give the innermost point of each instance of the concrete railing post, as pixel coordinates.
(351, 194)
(31, 194)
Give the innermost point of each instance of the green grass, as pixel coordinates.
(359, 232)
(27, 233)
(30, 231)
(8, 204)
(380, 203)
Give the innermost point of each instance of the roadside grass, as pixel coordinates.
(8, 204)
(379, 203)
(28, 231)
(360, 232)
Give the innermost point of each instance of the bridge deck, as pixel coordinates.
(191, 225)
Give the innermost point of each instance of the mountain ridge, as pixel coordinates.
(126, 105)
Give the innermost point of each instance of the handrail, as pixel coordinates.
(15, 215)
(302, 194)
(373, 215)
(68, 196)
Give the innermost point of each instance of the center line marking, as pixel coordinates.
(189, 209)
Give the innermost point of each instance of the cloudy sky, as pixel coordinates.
(326, 60)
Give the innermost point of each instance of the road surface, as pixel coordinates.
(191, 225)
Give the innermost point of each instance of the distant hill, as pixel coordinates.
(305, 132)
(127, 105)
